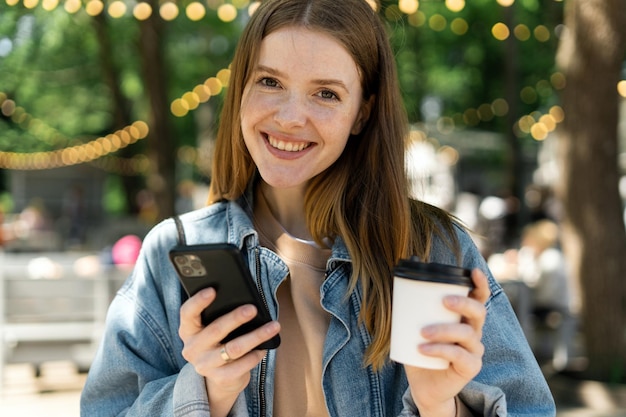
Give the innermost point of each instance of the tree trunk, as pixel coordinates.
(590, 55)
(121, 107)
(161, 145)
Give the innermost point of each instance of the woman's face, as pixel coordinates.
(302, 101)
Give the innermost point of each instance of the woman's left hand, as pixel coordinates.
(433, 391)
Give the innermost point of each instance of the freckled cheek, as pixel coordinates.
(335, 124)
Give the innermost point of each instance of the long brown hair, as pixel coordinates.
(363, 197)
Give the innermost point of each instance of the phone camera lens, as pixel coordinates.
(186, 270)
(180, 260)
(196, 265)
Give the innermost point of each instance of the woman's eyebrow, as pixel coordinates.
(321, 81)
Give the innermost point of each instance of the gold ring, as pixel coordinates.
(224, 354)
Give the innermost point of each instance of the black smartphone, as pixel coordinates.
(222, 267)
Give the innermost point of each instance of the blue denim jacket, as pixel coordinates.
(139, 369)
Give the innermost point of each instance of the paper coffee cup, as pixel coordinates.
(418, 292)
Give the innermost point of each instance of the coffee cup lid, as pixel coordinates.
(433, 272)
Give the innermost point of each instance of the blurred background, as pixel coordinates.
(108, 110)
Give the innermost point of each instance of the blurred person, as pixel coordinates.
(542, 266)
(309, 182)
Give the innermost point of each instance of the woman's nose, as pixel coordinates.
(291, 111)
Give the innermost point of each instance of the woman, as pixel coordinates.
(308, 180)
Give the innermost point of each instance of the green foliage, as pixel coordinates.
(467, 69)
(55, 70)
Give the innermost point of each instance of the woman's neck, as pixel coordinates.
(287, 206)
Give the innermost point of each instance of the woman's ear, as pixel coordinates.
(363, 116)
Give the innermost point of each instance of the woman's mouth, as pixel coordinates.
(287, 146)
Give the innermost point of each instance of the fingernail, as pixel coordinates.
(248, 311)
(208, 293)
(426, 348)
(272, 327)
(452, 300)
(428, 331)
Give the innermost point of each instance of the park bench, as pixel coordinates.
(53, 307)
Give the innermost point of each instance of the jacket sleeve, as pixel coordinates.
(139, 369)
(136, 371)
(510, 382)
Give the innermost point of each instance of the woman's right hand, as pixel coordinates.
(225, 379)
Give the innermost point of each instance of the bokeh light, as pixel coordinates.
(459, 26)
(500, 31)
(542, 33)
(408, 6)
(72, 6)
(31, 4)
(117, 9)
(253, 6)
(437, 22)
(94, 7)
(195, 11)
(417, 19)
(455, 5)
(521, 32)
(168, 11)
(142, 11)
(49, 5)
(558, 80)
(227, 12)
(621, 88)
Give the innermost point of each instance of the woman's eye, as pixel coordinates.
(268, 82)
(328, 95)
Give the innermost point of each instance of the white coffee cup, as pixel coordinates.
(418, 293)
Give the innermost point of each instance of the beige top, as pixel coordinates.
(298, 380)
(304, 323)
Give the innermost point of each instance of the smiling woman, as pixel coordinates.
(308, 181)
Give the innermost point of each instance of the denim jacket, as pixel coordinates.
(139, 369)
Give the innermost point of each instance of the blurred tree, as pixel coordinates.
(591, 55)
(450, 57)
(77, 77)
(161, 145)
(121, 104)
(120, 69)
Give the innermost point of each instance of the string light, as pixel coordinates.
(621, 88)
(437, 22)
(98, 151)
(408, 6)
(169, 10)
(94, 7)
(74, 155)
(227, 12)
(195, 11)
(142, 11)
(500, 31)
(201, 93)
(455, 5)
(49, 5)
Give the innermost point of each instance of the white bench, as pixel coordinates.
(52, 307)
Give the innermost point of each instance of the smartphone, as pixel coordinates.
(222, 267)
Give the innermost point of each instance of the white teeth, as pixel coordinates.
(287, 146)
